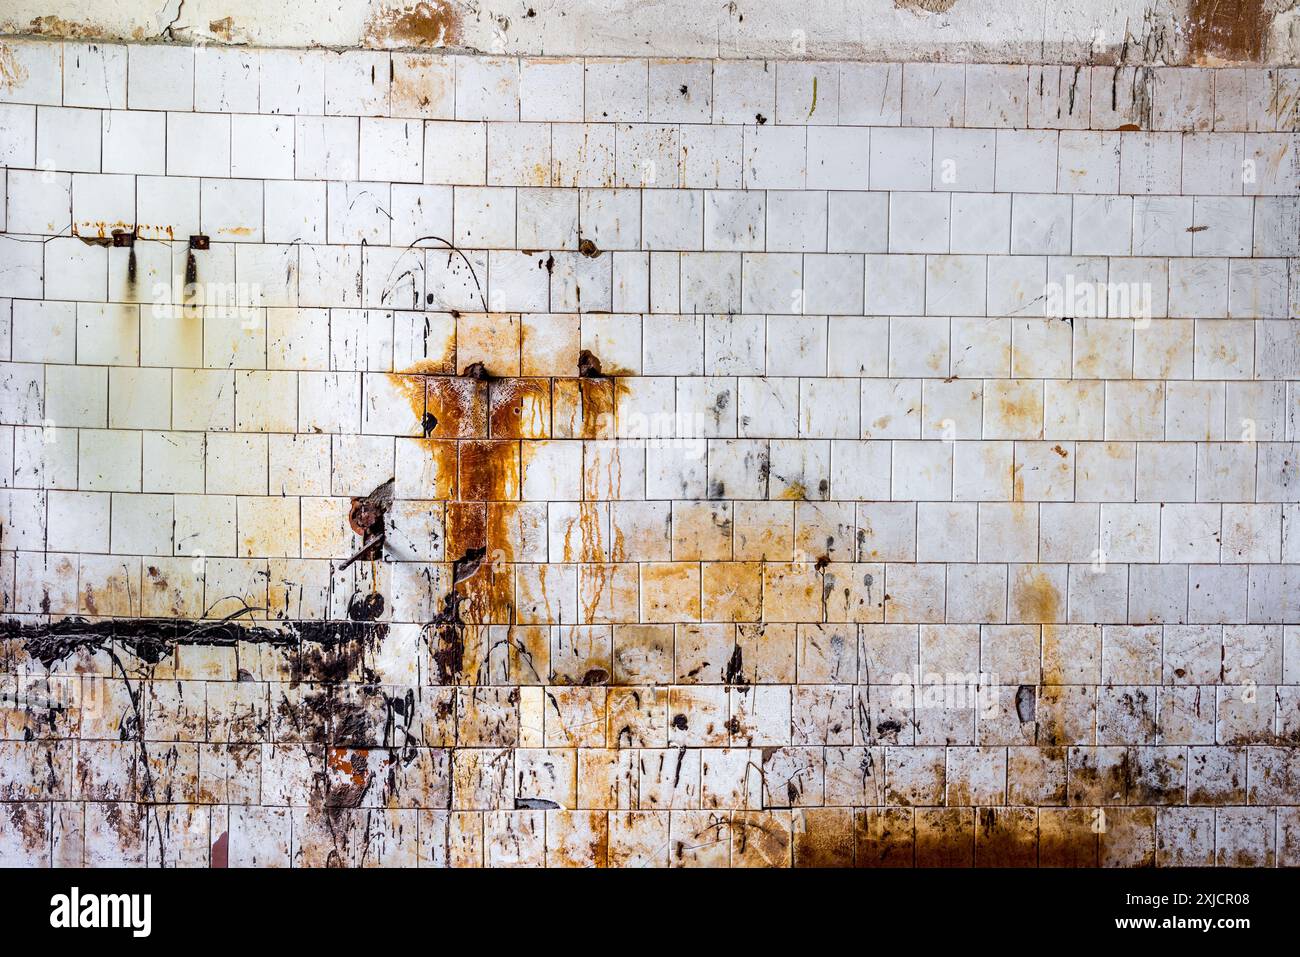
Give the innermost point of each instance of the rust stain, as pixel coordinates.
(155, 232)
(1282, 106)
(824, 838)
(223, 29)
(590, 546)
(488, 599)
(597, 396)
(502, 531)
(466, 527)
(89, 232)
(12, 73)
(340, 760)
(435, 23)
(417, 83)
(596, 575)
(584, 408)
(519, 409)
(1038, 599)
(473, 425)
(1228, 32)
(794, 492)
(488, 476)
(489, 470)
(1024, 414)
(925, 6)
(52, 26)
(947, 837)
(458, 407)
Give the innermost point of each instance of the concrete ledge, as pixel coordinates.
(1202, 32)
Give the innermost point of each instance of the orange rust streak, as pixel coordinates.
(520, 409)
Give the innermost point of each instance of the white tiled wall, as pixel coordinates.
(947, 371)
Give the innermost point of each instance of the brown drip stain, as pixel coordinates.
(472, 428)
(489, 470)
(519, 409)
(466, 527)
(941, 837)
(598, 397)
(583, 408)
(1038, 600)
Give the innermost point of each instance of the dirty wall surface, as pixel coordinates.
(411, 459)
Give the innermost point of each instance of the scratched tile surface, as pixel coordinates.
(465, 461)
